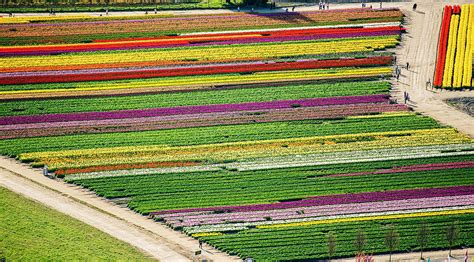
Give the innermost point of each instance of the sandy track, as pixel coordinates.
(151, 237)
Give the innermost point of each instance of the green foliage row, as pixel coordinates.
(219, 188)
(309, 242)
(218, 96)
(218, 134)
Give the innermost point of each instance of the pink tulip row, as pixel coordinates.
(319, 211)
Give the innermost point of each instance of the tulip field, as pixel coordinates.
(258, 134)
(455, 48)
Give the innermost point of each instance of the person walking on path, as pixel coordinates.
(45, 170)
(200, 244)
(428, 84)
(293, 9)
(408, 65)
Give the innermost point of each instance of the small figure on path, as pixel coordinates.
(414, 6)
(380, 4)
(253, 10)
(155, 11)
(293, 9)
(428, 83)
(107, 11)
(405, 95)
(200, 244)
(238, 8)
(327, 6)
(408, 65)
(287, 10)
(45, 170)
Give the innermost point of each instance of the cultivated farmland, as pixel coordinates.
(259, 134)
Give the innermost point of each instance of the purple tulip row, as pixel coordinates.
(265, 115)
(333, 200)
(319, 211)
(182, 110)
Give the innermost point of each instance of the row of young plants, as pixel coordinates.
(268, 185)
(244, 150)
(349, 238)
(209, 96)
(222, 133)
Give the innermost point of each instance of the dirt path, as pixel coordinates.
(419, 47)
(151, 237)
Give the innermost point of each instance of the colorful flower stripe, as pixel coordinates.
(371, 218)
(291, 161)
(194, 221)
(322, 220)
(203, 40)
(193, 23)
(414, 168)
(409, 152)
(204, 54)
(193, 120)
(183, 110)
(126, 166)
(201, 83)
(443, 43)
(204, 70)
(239, 151)
(329, 200)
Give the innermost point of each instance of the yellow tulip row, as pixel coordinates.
(453, 31)
(196, 81)
(246, 150)
(371, 218)
(469, 54)
(28, 19)
(461, 47)
(215, 53)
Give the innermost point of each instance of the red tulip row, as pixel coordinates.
(207, 39)
(201, 70)
(442, 46)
